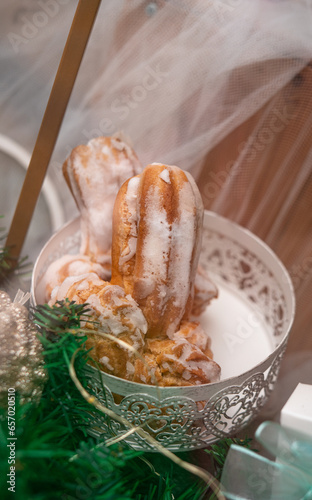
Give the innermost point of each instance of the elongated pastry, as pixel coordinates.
(157, 224)
(94, 174)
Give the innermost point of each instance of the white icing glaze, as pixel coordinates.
(136, 317)
(131, 200)
(156, 247)
(196, 192)
(165, 176)
(108, 321)
(70, 265)
(115, 312)
(95, 185)
(105, 362)
(116, 320)
(186, 375)
(130, 368)
(209, 368)
(183, 241)
(129, 251)
(84, 282)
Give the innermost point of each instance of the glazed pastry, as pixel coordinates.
(77, 288)
(94, 174)
(185, 359)
(70, 265)
(204, 291)
(157, 222)
(112, 312)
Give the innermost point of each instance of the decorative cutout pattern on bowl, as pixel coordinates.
(178, 422)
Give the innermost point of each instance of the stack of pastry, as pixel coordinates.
(149, 292)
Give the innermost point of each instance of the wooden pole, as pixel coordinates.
(75, 46)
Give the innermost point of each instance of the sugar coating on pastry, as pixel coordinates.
(157, 225)
(94, 174)
(77, 288)
(70, 265)
(112, 312)
(185, 359)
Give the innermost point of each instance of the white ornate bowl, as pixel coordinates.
(249, 325)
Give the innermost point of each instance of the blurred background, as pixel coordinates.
(220, 88)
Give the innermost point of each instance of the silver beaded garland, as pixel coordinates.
(21, 363)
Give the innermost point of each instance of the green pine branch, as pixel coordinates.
(218, 452)
(11, 275)
(55, 457)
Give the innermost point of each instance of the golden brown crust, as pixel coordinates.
(123, 227)
(111, 312)
(70, 265)
(184, 360)
(94, 174)
(117, 150)
(160, 274)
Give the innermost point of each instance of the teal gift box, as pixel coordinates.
(288, 475)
